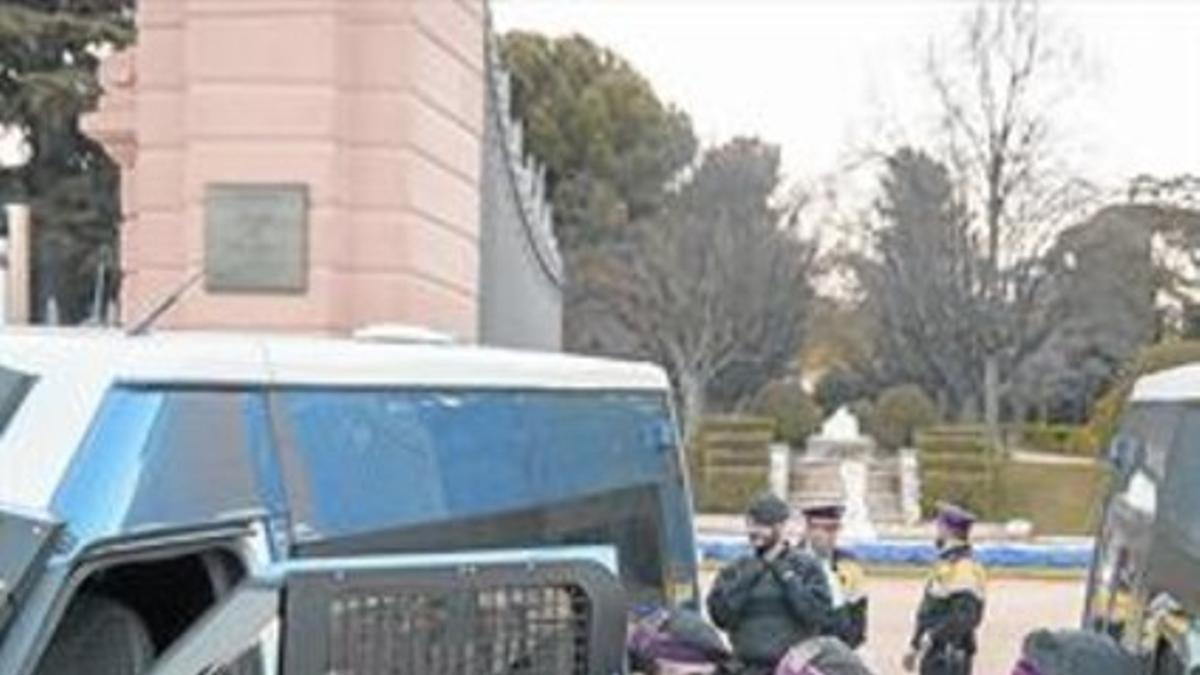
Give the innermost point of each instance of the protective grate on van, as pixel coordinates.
(530, 631)
(485, 621)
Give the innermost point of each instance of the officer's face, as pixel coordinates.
(949, 535)
(945, 533)
(763, 537)
(822, 535)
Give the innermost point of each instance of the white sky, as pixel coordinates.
(822, 76)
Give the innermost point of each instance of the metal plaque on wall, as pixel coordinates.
(256, 238)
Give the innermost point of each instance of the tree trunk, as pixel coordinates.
(692, 401)
(991, 399)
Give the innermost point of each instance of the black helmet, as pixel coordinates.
(768, 509)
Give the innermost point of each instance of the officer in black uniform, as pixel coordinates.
(774, 598)
(952, 607)
(846, 576)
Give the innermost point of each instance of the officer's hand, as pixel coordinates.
(754, 569)
(746, 574)
(910, 661)
(775, 552)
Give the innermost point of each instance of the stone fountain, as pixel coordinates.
(841, 444)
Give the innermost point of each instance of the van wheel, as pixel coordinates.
(99, 636)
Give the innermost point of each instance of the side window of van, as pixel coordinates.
(1154, 426)
(1115, 607)
(1118, 601)
(1181, 494)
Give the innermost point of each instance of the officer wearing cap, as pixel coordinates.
(774, 598)
(822, 525)
(952, 607)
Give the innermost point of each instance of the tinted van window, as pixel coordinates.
(1181, 500)
(407, 470)
(162, 457)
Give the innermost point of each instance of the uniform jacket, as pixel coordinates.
(951, 611)
(767, 608)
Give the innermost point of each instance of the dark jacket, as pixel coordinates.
(768, 608)
(950, 613)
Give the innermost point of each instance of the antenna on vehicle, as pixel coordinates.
(164, 306)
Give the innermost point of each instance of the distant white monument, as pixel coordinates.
(840, 437)
(842, 425)
(841, 440)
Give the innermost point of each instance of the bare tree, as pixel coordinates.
(997, 90)
(715, 289)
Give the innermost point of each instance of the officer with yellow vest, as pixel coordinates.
(951, 610)
(847, 579)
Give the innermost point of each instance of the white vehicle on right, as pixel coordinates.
(1144, 588)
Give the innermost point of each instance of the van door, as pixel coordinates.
(25, 541)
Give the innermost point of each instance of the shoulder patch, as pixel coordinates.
(852, 577)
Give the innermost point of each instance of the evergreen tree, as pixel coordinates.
(50, 51)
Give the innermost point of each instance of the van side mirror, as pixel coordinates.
(1126, 454)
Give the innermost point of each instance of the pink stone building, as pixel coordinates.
(319, 161)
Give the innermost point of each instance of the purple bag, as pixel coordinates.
(674, 641)
(822, 656)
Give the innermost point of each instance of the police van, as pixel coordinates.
(1144, 588)
(208, 503)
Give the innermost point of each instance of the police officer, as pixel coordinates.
(952, 607)
(772, 599)
(822, 525)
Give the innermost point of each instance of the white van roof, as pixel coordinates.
(76, 367)
(1175, 385)
(223, 358)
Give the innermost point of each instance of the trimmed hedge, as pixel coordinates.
(1058, 439)
(1055, 439)
(730, 462)
(900, 412)
(796, 414)
(729, 491)
(955, 440)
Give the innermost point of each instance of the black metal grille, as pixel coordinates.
(546, 618)
(492, 631)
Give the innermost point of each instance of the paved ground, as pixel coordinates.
(1014, 608)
